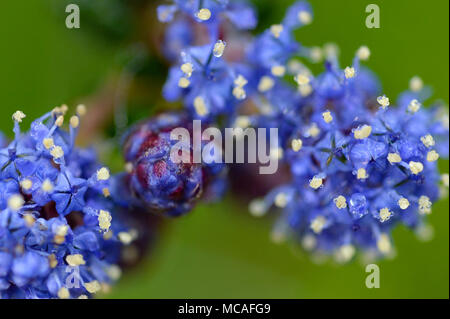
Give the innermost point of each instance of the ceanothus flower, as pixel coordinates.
(157, 182)
(60, 236)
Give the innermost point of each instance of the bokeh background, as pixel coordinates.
(219, 250)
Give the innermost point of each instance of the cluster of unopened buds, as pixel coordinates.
(359, 165)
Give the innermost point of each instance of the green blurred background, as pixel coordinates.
(219, 251)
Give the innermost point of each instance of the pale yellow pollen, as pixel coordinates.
(62, 230)
(350, 72)
(361, 173)
(47, 186)
(432, 156)
(59, 239)
(59, 120)
(278, 70)
(363, 53)
(385, 214)
(57, 152)
(302, 79)
(257, 208)
(305, 90)
(424, 205)
(340, 202)
(445, 179)
(183, 83)
(48, 143)
(104, 220)
(327, 117)
(383, 101)
(53, 262)
(330, 50)
(304, 17)
(313, 130)
(125, 238)
(296, 144)
(242, 121)
(74, 121)
(265, 84)
(187, 69)
(26, 184)
(114, 272)
(318, 224)
(415, 167)
(103, 174)
(81, 110)
(309, 242)
(415, 84)
(384, 244)
(64, 108)
(316, 182)
(414, 106)
(15, 202)
(200, 106)
(240, 81)
(219, 48)
(239, 93)
(128, 167)
(82, 297)
(75, 260)
(63, 293)
(203, 14)
(316, 54)
(281, 200)
(276, 30)
(18, 116)
(106, 192)
(403, 203)
(428, 140)
(345, 253)
(394, 158)
(363, 132)
(93, 286)
(29, 220)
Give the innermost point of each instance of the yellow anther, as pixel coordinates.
(104, 220)
(304, 17)
(276, 30)
(305, 90)
(265, 84)
(219, 48)
(187, 69)
(203, 14)
(428, 140)
(29, 220)
(59, 120)
(26, 184)
(432, 156)
(350, 72)
(92, 287)
(106, 192)
(57, 152)
(18, 116)
(239, 93)
(394, 158)
(242, 121)
(281, 200)
(327, 117)
(257, 208)
(445, 179)
(340, 202)
(103, 174)
(75, 260)
(316, 182)
(383, 101)
(415, 167)
(363, 132)
(48, 143)
(363, 53)
(125, 238)
(74, 121)
(415, 84)
(424, 205)
(278, 70)
(313, 130)
(361, 173)
(403, 203)
(47, 186)
(414, 106)
(63, 293)
(200, 106)
(318, 224)
(15, 202)
(296, 144)
(183, 83)
(52, 261)
(384, 244)
(316, 54)
(81, 110)
(302, 79)
(385, 214)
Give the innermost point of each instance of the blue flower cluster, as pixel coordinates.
(158, 182)
(359, 165)
(59, 235)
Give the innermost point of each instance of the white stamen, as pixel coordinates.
(104, 220)
(350, 72)
(415, 167)
(81, 110)
(340, 202)
(187, 69)
(304, 17)
(385, 214)
(428, 140)
(125, 238)
(361, 173)
(183, 83)
(363, 53)
(75, 260)
(327, 116)
(296, 144)
(424, 205)
(432, 156)
(219, 48)
(63, 293)
(103, 174)
(74, 121)
(383, 101)
(18, 116)
(57, 152)
(416, 84)
(278, 70)
(384, 244)
(257, 208)
(414, 106)
(47, 186)
(203, 14)
(200, 106)
(315, 182)
(318, 224)
(362, 132)
(59, 121)
(276, 30)
(92, 287)
(26, 184)
(15, 202)
(394, 158)
(265, 84)
(48, 143)
(281, 200)
(403, 203)
(313, 130)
